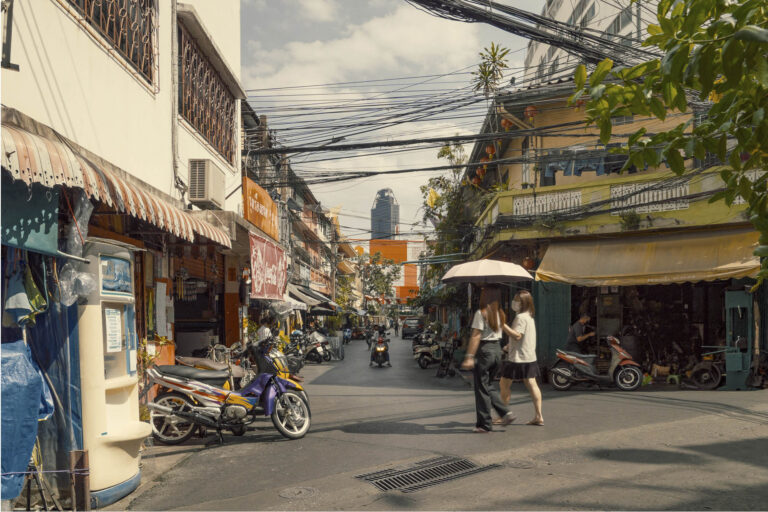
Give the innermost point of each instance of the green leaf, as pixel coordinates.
(636, 136)
(600, 72)
(663, 7)
(657, 108)
(761, 72)
(733, 54)
(597, 91)
(675, 161)
(758, 116)
(707, 69)
(752, 33)
(762, 251)
(745, 188)
(669, 91)
(655, 30)
(580, 76)
(605, 130)
(681, 102)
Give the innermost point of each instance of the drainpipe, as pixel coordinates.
(177, 181)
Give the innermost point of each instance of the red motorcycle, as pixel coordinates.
(572, 368)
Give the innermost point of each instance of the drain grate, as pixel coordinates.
(424, 474)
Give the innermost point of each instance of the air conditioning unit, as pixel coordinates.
(206, 184)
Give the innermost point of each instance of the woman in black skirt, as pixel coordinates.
(520, 364)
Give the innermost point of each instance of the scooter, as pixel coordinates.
(316, 351)
(380, 350)
(427, 355)
(423, 339)
(193, 403)
(573, 367)
(347, 336)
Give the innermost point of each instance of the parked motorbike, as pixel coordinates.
(194, 401)
(346, 336)
(573, 367)
(380, 351)
(423, 339)
(428, 354)
(315, 349)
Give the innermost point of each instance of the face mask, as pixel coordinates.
(516, 306)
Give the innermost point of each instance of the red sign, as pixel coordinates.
(268, 269)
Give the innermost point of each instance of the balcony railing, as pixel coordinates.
(602, 205)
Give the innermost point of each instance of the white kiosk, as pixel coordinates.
(112, 432)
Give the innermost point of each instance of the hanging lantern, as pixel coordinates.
(506, 124)
(528, 263)
(476, 181)
(530, 112)
(490, 149)
(481, 171)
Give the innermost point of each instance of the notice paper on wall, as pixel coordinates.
(161, 303)
(114, 330)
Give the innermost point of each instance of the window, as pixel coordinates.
(623, 19)
(129, 25)
(204, 100)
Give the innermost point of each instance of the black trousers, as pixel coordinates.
(487, 362)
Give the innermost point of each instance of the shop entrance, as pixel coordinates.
(669, 329)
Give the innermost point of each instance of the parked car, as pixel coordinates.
(411, 327)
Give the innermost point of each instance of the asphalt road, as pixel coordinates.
(657, 448)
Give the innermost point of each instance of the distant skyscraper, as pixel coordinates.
(385, 215)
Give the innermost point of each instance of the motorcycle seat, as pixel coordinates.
(188, 372)
(580, 356)
(208, 364)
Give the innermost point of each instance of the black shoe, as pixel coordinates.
(389, 364)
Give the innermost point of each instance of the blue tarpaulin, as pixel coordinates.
(25, 399)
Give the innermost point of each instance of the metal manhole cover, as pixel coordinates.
(424, 474)
(294, 493)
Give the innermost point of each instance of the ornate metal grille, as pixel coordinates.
(205, 101)
(129, 25)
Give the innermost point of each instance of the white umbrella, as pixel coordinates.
(486, 272)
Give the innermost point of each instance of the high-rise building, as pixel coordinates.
(625, 24)
(385, 215)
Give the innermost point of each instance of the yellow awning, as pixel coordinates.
(650, 260)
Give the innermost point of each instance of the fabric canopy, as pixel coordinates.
(35, 159)
(295, 304)
(306, 299)
(650, 260)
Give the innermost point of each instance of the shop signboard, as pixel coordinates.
(268, 269)
(259, 209)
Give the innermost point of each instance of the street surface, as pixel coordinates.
(657, 448)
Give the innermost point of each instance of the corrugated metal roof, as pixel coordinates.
(35, 159)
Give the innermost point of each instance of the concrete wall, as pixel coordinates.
(71, 79)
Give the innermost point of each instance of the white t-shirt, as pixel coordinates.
(524, 349)
(479, 323)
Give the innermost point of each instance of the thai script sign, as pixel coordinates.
(268, 269)
(259, 209)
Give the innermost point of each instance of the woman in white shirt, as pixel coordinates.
(484, 358)
(520, 364)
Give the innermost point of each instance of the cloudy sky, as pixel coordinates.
(289, 43)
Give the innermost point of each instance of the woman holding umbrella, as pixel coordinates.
(484, 357)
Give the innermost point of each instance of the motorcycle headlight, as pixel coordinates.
(380, 349)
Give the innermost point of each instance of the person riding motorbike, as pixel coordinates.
(373, 351)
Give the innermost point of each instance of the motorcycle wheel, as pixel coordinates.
(170, 429)
(628, 378)
(424, 361)
(707, 377)
(326, 356)
(559, 382)
(239, 430)
(291, 416)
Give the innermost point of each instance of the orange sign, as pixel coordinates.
(259, 208)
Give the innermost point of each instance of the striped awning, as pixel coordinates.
(35, 159)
